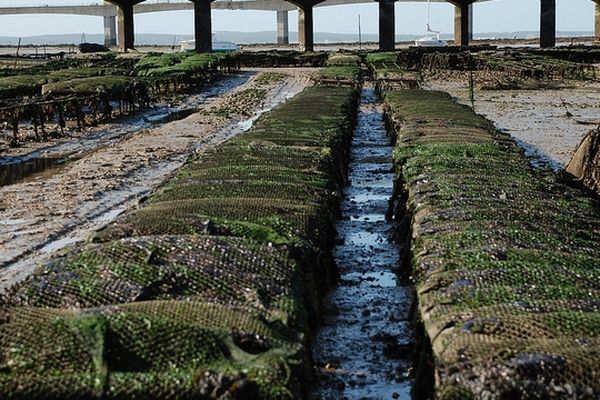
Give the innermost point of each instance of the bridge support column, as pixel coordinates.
(202, 26)
(387, 25)
(462, 24)
(548, 23)
(305, 28)
(283, 29)
(471, 18)
(110, 30)
(125, 24)
(597, 24)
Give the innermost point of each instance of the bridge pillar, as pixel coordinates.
(471, 18)
(305, 28)
(110, 30)
(125, 26)
(283, 30)
(387, 25)
(548, 23)
(597, 23)
(202, 26)
(463, 24)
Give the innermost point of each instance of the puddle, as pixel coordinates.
(13, 222)
(378, 279)
(59, 244)
(110, 215)
(363, 349)
(31, 169)
(248, 123)
(170, 116)
(537, 158)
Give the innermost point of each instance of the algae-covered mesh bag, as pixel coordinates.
(163, 267)
(197, 293)
(506, 259)
(276, 221)
(160, 317)
(156, 349)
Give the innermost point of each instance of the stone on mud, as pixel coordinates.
(585, 163)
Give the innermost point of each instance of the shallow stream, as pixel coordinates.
(364, 348)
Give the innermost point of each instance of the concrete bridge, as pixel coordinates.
(118, 18)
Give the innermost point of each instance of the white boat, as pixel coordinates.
(217, 45)
(430, 40)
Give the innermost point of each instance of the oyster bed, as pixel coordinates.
(505, 258)
(205, 289)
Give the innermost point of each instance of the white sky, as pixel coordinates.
(491, 16)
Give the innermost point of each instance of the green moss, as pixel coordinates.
(269, 78)
(21, 85)
(94, 85)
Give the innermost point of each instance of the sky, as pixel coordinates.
(489, 16)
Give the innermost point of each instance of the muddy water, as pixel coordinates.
(363, 350)
(31, 169)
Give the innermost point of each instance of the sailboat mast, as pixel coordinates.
(428, 14)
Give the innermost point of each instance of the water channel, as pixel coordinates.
(364, 348)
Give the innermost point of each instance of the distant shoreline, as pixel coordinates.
(37, 53)
(265, 37)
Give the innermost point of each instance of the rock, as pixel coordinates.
(585, 163)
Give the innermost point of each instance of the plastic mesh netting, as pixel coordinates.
(203, 290)
(506, 258)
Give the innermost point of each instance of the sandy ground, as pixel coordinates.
(537, 119)
(40, 216)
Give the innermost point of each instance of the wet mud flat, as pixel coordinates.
(365, 346)
(548, 124)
